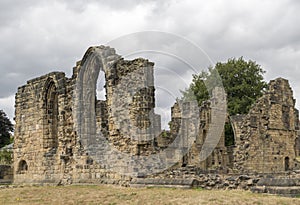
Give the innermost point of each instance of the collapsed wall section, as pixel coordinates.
(214, 150)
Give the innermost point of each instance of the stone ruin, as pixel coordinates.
(267, 138)
(62, 131)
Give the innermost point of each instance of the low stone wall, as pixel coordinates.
(289, 187)
(174, 183)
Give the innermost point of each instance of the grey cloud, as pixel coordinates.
(12, 11)
(37, 37)
(81, 5)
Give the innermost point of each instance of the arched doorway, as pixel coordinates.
(23, 167)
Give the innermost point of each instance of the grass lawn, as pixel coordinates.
(106, 194)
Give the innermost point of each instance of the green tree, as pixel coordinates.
(5, 128)
(242, 80)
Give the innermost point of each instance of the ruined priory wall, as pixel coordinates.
(130, 101)
(267, 135)
(216, 159)
(48, 148)
(39, 128)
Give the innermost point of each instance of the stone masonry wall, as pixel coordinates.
(63, 134)
(48, 148)
(266, 137)
(39, 127)
(219, 158)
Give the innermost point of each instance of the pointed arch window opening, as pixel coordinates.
(51, 117)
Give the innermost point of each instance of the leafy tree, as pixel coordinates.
(242, 80)
(5, 128)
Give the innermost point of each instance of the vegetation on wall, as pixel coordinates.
(5, 157)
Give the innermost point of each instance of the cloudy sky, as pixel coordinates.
(37, 37)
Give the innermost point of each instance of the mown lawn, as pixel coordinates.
(105, 194)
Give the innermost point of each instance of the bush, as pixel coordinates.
(5, 157)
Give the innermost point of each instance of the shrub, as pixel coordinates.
(5, 157)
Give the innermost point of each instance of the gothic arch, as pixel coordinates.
(95, 59)
(50, 135)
